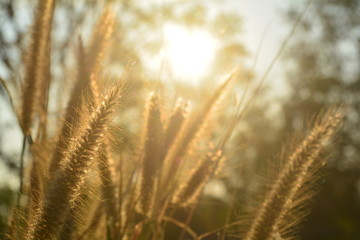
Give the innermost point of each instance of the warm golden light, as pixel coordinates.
(188, 53)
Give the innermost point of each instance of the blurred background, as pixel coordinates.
(186, 48)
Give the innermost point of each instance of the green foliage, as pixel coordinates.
(7, 197)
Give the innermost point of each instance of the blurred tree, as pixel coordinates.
(323, 68)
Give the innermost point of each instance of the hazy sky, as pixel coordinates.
(266, 16)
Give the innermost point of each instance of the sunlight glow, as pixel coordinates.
(188, 53)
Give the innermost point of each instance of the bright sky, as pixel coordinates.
(266, 16)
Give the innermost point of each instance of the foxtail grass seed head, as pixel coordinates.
(152, 152)
(189, 132)
(37, 58)
(175, 123)
(86, 83)
(189, 192)
(295, 175)
(65, 187)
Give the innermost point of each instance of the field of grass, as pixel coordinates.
(81, 181)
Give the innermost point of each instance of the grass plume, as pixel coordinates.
(86, 61)
(296, 173)
(109, 190)
(66, 184)
(200, 175)
(152, 152)
(175, 123)
(37, 62)
(188, 133)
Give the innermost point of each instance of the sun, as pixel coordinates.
(188, 53)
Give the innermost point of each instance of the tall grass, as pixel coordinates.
(79, 186)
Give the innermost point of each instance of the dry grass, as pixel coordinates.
(80, 187)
